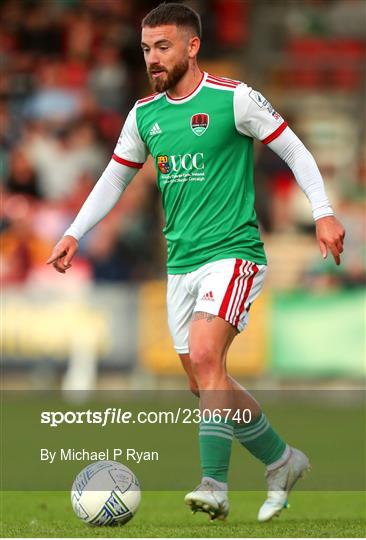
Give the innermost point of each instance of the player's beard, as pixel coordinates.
(161, 84)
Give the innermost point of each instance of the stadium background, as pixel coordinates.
(71, 70)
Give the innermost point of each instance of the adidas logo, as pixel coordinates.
(155, 130)
(208, 296)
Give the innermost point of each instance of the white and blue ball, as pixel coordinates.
(105, 493)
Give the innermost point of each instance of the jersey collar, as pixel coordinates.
(178, 101)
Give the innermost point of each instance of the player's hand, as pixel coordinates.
(62, 254)
(330, 235)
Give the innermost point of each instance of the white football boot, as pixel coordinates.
(208, 498)
(280, 482)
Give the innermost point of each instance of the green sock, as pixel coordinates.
(261, 440)
(215, 448)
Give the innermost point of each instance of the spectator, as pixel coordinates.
(108, 79)
(76, 151)
(22, 177)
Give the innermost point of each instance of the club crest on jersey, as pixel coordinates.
(163, 164)
(199, 123)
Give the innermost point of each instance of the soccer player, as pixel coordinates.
(199, 128)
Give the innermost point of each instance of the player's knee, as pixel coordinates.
(205, 361)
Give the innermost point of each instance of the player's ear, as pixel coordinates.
(194, 46)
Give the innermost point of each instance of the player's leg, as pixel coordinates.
(284, 465)
(209, 338)
(226, 290)
(180, 302)
(186, 363)
(281, 474)
(222, 288)
(242, 398)
(258, 436)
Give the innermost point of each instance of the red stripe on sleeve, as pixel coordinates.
(126, 162)
(275, 134)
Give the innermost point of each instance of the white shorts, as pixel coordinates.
(225, 288)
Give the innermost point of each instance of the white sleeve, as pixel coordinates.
(255, 116)
(130, 149)
(289, 147)
(102, 198)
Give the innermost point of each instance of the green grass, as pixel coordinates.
(163, 514)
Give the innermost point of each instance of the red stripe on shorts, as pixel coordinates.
(246, 293)
(229, 291)
(244, 275)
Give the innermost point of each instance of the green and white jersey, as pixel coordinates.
(202, 146)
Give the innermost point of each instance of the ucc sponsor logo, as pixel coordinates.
(181, 162)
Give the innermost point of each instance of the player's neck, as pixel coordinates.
(187, 84)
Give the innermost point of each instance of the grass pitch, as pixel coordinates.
(163, 514)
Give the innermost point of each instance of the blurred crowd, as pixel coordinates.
(70, 71)
(65, 90)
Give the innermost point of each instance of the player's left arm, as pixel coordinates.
(329, 231)
(255, 117)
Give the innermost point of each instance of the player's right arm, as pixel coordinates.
(129, 156)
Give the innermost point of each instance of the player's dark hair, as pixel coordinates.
(174, 13)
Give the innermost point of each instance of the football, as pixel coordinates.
(105, 493)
